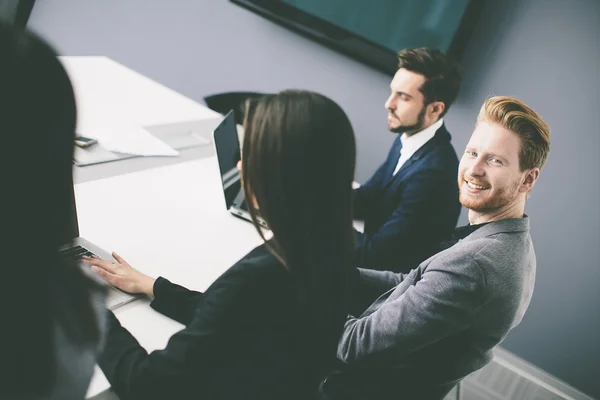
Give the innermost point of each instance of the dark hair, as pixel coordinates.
(442, 74)
(40, 291)
(298, 162)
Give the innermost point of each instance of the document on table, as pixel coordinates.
(132, 140)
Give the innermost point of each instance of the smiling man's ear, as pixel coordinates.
(530, 179)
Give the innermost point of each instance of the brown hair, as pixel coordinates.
(298, 162)
(442, 74)
(517, 117)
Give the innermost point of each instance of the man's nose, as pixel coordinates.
(477, 168)
(389, 103)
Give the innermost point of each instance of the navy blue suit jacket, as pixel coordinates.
(408, 215)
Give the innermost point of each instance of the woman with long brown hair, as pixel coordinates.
(52, 312)
(268, 327)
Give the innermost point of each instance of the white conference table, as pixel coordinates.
(110, 95)
(166, 216)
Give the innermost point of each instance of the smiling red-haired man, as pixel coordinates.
(433, 326)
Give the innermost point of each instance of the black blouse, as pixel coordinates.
(243, 340)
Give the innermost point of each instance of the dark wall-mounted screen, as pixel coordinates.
(374, 30)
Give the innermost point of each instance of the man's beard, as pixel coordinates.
(501, 199)
(418, 126)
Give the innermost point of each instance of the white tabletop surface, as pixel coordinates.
(110, 95)
(165, 220)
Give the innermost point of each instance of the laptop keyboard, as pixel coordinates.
(75, 253)
(116, 297)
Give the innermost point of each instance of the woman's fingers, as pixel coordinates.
(121, 275)
(101, 263)
(110, 278)
(119, 258)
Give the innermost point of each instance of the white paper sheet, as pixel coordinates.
(132, 140)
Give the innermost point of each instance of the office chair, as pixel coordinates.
(236, 101)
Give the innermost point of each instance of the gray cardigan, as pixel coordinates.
(443, 319)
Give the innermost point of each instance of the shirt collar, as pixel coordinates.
(463, 231)
(415, 142)
(460, 233)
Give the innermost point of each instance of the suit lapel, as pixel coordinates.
(408, 164)
(392, 162)
(440, 135)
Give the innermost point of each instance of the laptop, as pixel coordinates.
(76, 247)
(227, 147)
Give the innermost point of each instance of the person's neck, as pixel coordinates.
(515, 210)
(421, 129)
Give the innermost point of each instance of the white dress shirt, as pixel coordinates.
(410, 144)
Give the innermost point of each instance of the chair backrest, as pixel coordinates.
(223, 102)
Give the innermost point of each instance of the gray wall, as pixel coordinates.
(199, 47)
(545, 52)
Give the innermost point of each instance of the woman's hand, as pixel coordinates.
(122, 275)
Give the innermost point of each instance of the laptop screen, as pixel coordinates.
(71, 227)
(227, 146)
